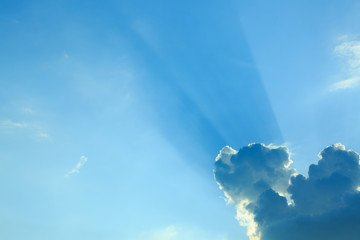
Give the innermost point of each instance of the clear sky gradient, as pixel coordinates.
(112, 112)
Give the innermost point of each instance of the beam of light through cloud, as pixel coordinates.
(349, 51)
(277, 203)
(77, 167)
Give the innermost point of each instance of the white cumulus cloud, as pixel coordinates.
(324, 205)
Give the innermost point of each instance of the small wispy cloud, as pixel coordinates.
(43, 135)
(179, 233)
(27, 110)
(169, 233)
(344, 84)
(77, 167)
(349, 51)
(12, 124)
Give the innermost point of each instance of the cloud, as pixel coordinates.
(276, 203)
(173, 232)
(349, 51)
(43, 135)
(79, 165)
(169, 233)
(12, 124)
(27, 110)
(348, 83)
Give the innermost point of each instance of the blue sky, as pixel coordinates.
(112, 113)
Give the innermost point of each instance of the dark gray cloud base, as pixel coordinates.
(276, 203)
